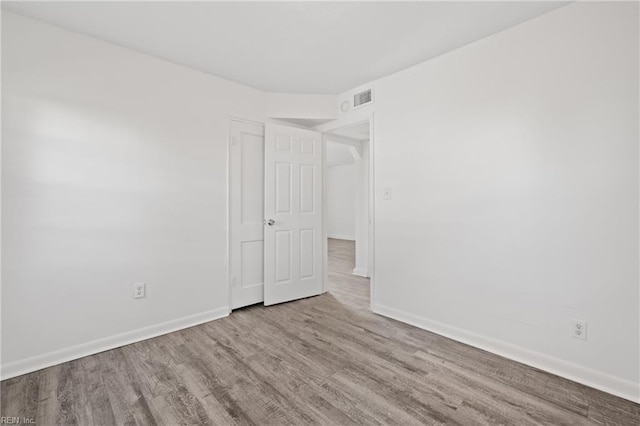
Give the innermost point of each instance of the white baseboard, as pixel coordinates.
(360, 272)
(605, 382)
(341, 237)
(39, 362)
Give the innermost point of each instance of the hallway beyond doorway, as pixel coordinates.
(348, 288)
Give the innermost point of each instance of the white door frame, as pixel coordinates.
(371, 260)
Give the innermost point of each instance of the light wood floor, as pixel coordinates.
(323, 360)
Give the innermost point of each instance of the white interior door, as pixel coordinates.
(293, 214)
(246, 213)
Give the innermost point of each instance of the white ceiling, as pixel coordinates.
(295, 47)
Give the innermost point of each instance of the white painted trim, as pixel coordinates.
(371, 264)
(227, 260)
(244, 120)
(596, 379)
(360, 272)
(38, 362)
(325, 223)
(342, 237)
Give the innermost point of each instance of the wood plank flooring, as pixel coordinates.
(324, 360)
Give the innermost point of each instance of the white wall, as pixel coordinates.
(341, 201)
(114, 170)
(299, 106)
(513, 164)
(340, 153)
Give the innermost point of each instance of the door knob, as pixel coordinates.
(270, 222)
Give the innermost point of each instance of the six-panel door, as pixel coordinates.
(293, 201)
(246, 213)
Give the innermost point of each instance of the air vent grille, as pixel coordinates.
(362, 98)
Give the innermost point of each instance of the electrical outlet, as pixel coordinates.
(579, 329)
(138, 290)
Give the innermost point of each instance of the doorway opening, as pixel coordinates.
(286, 237)
(275, 214)
(348, 206)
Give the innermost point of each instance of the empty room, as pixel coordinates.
(327, 213)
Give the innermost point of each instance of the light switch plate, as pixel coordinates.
(386, 193)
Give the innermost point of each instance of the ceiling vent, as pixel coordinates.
(362, 99)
